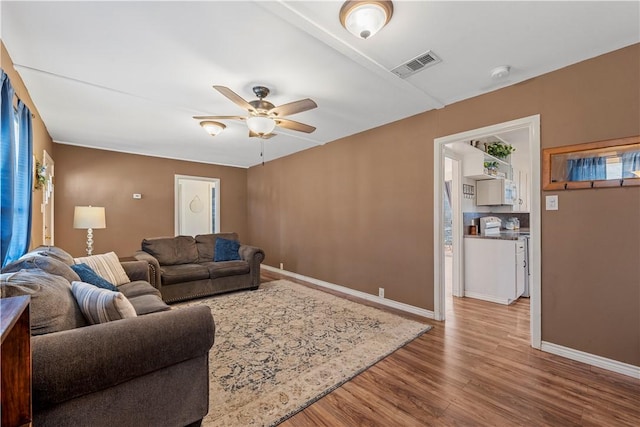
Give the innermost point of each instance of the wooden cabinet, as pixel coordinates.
(15, 360)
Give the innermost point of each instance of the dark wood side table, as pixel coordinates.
(15, 361)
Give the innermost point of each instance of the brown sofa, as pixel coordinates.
(183, 267)
(148, 370)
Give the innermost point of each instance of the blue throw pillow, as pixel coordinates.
(87, 275)
(226, 250)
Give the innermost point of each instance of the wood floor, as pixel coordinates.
(477, 369)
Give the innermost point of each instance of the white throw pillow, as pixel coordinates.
(101, 305)
(106, 266)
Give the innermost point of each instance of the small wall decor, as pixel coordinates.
(40, 178)
(600, 164)
(468, 191)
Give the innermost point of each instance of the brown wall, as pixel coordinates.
(41, 140)
(358, 212)
(87, 176)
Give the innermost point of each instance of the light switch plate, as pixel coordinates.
(552, 202)
(137, 196)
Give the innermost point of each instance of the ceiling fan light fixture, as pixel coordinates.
(212, 128)
(364, 18)
(262, 125)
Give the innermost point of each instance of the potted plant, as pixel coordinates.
(500, 149)
(491, 167)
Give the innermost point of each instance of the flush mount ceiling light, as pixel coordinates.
(212, 128)
(364, 18)
(500, 72)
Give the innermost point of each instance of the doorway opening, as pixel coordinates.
(197, 205)
(452, 223)
(531, 127)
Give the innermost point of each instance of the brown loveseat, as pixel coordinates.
(183, 267)
(151, 369)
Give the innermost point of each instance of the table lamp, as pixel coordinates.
(89, 217)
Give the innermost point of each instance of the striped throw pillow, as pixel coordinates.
(101, 305)
(106, 266)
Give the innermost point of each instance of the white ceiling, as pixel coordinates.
(128, 76)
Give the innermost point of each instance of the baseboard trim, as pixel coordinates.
(489, 298)
(359, 294)
(592, 359)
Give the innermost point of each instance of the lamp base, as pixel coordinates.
(89, 241)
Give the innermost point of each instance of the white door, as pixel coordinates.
(47, 200)
(197, 206)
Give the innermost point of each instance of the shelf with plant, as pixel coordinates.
(500, 150)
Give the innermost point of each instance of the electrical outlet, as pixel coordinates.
(381, 292)
(551, 202)
(137, 196)
(282, 266)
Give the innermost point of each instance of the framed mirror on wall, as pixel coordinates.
(601, 164)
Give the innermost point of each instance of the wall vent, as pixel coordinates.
(418, 63)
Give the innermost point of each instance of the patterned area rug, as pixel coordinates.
(282, 347)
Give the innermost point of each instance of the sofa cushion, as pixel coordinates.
(45, 263)
(206, 244)
(101, 305)
(145, 304)
(53, 307)
(172, 250)
(172, 274)
(107, 266)
(226, 250)
(227, 268)
(53, 252)
(137, 288)
(87, 275)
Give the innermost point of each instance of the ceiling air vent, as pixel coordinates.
(416, 64)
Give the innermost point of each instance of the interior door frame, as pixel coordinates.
(456, 224)
(47, 206)
(176, 193)
(532, 123)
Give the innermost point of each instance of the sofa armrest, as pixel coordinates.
(136, 270)
(254, 256)
(154, 268)
(76, 362)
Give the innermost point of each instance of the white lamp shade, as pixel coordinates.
(366, 20)
(89, 217)
(261, 125)
(212, 128)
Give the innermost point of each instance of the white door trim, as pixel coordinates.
(456, 224)
(532, 123)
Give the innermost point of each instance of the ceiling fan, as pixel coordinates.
(263, 116)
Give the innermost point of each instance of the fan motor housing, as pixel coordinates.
(261, 104)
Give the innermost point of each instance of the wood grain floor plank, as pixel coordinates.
(476, 369)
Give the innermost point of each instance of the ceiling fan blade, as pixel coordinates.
(293, 107)
(290, 124)
(219, 117)
(257, 135)
(237, 99)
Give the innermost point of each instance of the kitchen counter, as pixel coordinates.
(504, 235)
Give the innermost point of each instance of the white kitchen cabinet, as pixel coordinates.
(494, 269)
(521, 179)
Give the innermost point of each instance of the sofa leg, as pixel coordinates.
(195, 424)
(255, 288)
